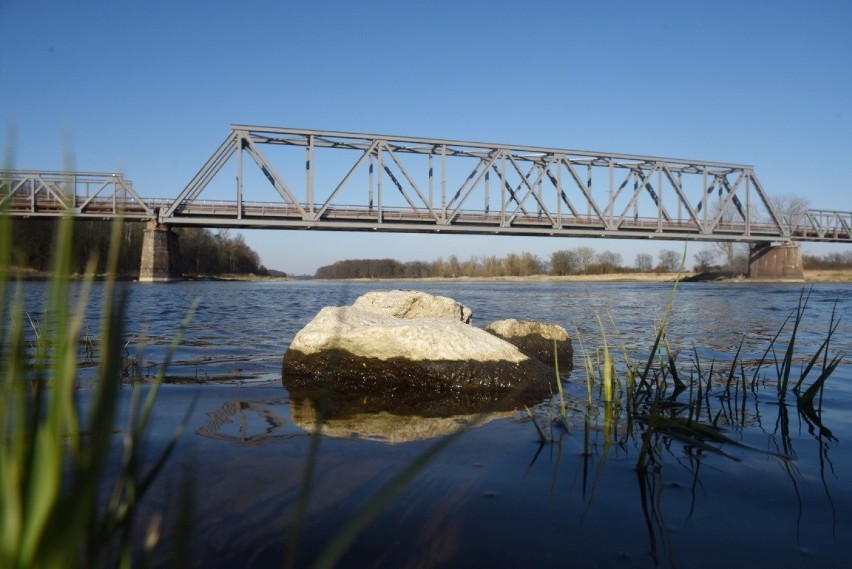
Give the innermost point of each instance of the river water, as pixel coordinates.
(772, 493)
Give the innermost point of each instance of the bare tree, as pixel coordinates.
(644, 262)
(669, 260)
(564, 263)
(572, 261)
(734, 254)
(704, 260)
(607, 261)
(585, 257)
(791, 209)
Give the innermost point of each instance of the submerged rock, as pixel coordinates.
(536, 339)
(355, 349)
(411, 304)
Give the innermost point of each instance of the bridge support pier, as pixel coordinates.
(160, 255)
(775, 262)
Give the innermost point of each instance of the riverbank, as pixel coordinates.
(814, 276)
(27, 274)
(811, 276)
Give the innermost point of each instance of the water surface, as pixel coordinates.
(498, 497)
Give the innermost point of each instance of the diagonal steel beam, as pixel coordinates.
(408, 177)
(55, 192)
(513, 192)
(202, 178)
(530, 191)
(557, 184)
(722, 182)
(487, 165)
(586, 193)
(272, 175)
(372, 149)
(676, 184)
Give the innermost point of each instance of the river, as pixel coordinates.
(772, 493)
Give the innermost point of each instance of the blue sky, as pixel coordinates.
(150, 88)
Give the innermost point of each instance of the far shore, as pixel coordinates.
(811, 276)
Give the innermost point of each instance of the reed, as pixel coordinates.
(58, 454)
(669, 399)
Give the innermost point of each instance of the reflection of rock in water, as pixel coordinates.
(393, 419)
(244, 415)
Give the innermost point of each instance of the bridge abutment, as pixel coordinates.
(776, 262)
(160, 255)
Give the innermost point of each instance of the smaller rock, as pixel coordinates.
(536, 339)
(409, 304)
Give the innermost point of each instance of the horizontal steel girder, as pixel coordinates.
(327, 180)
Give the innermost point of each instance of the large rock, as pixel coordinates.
(413, 304)
(536, 339)
(352, 348)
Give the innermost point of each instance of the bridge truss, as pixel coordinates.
(267, 177)
(346, 181)
(91, 194)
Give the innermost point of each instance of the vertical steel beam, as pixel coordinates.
(704, 194)
(487, 189)
(559, 194)
(589, 188)
(611, 203)
(503, 189)
(443, 182)
(748, 206)
(659, 168)
(239, 179)
(431, 180)
(380, 166)
(372, 164)
(309, 174)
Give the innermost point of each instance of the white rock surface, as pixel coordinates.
(411, 304)
(511, 328)
(373, 335)
(536, 339)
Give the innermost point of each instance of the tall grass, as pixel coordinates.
(70, 488)
(664, 397)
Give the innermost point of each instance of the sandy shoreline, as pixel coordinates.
(811, 276)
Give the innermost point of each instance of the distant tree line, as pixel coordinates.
(831, 261)
(576, 261)
(524, 264)
(203, 252)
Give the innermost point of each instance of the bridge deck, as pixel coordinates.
(272, 215)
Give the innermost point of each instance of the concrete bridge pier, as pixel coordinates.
(160, 255)
(775, 262)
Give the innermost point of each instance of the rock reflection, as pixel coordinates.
(392, 417)
(247, 423)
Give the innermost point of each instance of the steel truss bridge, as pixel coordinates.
(324, 180)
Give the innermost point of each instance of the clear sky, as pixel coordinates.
(150, 88)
